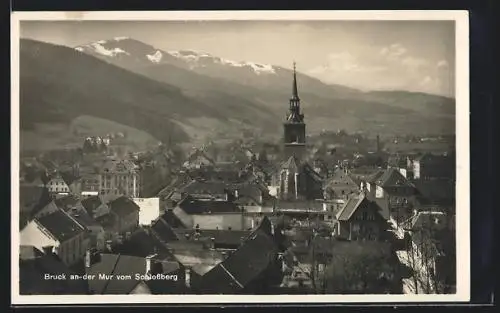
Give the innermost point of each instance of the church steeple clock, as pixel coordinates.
(294, 126)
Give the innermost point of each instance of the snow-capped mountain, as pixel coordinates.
(208, 76)
(203, 59)
(120, 47)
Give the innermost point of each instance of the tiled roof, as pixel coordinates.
(375, 176)
(391, 178)
(312, 173)
(429, 219)
(60, 225)
(193, 206)
(206, 187)
(32, 198)
(91, 204)
(397, 160)
(226, 175)
(172, 219)
(118, 166)
(199, 153)
(32, 277)
(220, 237)
(429, 157)
(435, 191)
(292, 163)
(69, 178)
(67, 202)
(84, 218)
(164, 231)
(107, 221)
(246, 263)
(265, 226)
(186, 219)
(123, 206)
(141, 244)
(191, 252)
(350, 207)
(341, 178)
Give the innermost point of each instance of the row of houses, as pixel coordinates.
(70, 226)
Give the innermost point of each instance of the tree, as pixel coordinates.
(429, 246)
(362, 268)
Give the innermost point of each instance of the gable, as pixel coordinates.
(367, 210)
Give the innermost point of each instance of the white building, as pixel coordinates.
(59, 233)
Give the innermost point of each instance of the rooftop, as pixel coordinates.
(123, 206)
(61, 225)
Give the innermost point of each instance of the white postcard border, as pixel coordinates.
(462, 146)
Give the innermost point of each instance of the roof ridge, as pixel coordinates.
(231, 275)
(112, 271)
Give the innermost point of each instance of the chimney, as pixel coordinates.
(296, 185)
(109, 245)
(281, 257)
(212, 243)
(188, 277)
(149, 263)
(378, 143)
(88, 261)
(47, 250)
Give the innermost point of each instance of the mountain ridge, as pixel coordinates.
(170, 99)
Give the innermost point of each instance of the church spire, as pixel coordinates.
(294, 114)
(295, 93)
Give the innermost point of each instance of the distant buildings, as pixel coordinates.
(245, 222)
(429, 166)
(119, 178)
(57, 185)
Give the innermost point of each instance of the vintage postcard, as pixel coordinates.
(240, 157)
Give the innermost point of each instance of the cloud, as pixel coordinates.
(442, 64)
(429, 83)
(393, 51)
(414, 64)
(345, 62)
(389, 67)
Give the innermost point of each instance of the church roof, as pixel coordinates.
(292, 163)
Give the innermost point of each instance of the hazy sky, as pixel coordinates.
(370, 55)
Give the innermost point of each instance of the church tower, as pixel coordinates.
(294, 126)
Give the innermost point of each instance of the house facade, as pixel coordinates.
(119, 178)
(57, 185)
(59, 233)
(95, 206)
(360, 219)
(341, 185)
(126, 214)
(393, 193)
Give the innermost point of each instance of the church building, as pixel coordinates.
(294, 126)
(295, 179)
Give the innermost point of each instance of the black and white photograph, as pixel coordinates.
(240, 157)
